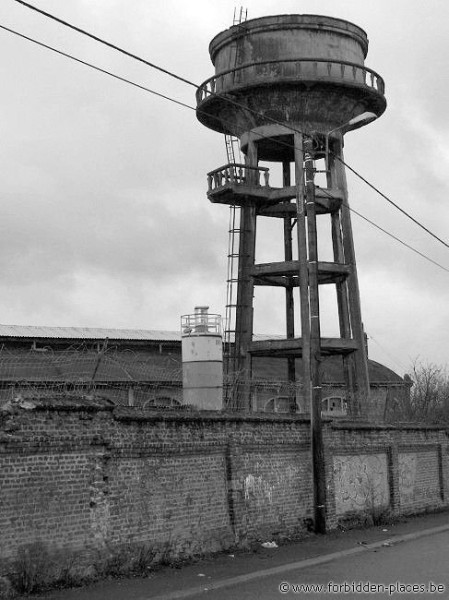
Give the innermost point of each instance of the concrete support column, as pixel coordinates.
(245, 291)
(358, 363)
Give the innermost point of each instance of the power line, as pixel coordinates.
(398, 239)
(388, 233)
(227, 99)
(92, 66)
(183, 104)
(105, 42)
(391, 201)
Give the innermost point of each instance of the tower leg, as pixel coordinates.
(245, 294)
(303, 271)
(359, 358)
(289, 299)
(343, 308)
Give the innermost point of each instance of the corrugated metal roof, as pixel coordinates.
(98, 333)
(87, 333)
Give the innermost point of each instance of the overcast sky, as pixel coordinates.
(104, 215)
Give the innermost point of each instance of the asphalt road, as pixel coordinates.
(423, 562)
(417, 551)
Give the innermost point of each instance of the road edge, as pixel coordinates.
(308, 562)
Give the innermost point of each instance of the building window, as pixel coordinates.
(279, 404)
(333, 406)
(162, 401)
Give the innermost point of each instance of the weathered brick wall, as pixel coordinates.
(85, 477)
(88, 477)
(378, 468)
(271, 491)
(360, 481)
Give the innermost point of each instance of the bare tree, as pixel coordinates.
(429, 395)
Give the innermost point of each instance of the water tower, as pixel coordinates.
(289, 87)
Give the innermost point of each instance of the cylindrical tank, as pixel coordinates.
(202, 359)
(304, 70)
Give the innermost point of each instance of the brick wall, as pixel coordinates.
(85, 477)
(377, 468)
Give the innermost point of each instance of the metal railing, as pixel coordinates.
(239, 174)
(200, 323)
(304, 69)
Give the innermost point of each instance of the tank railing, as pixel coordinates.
(303, 69)
(200, 324)
(238, 174)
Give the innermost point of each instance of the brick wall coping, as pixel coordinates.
(130, 414)
(69, 404)
(384, 426)
(122, 413)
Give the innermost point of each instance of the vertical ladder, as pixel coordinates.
(240, 16)
(230, 351)
(230, 355)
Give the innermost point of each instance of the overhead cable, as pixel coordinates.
(96, 68)
(389, 234)
(397, 239)
(105, 42)
(390, 201)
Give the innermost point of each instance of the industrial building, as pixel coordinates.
(143, 368)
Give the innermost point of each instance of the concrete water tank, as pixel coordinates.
(202, 359)
(306, 70)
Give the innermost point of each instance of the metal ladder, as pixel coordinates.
(230, 355)
(240, 16)
(232, 149)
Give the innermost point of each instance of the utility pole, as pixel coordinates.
(289, 297)
(319, 475)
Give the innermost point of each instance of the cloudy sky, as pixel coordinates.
(104, 215)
